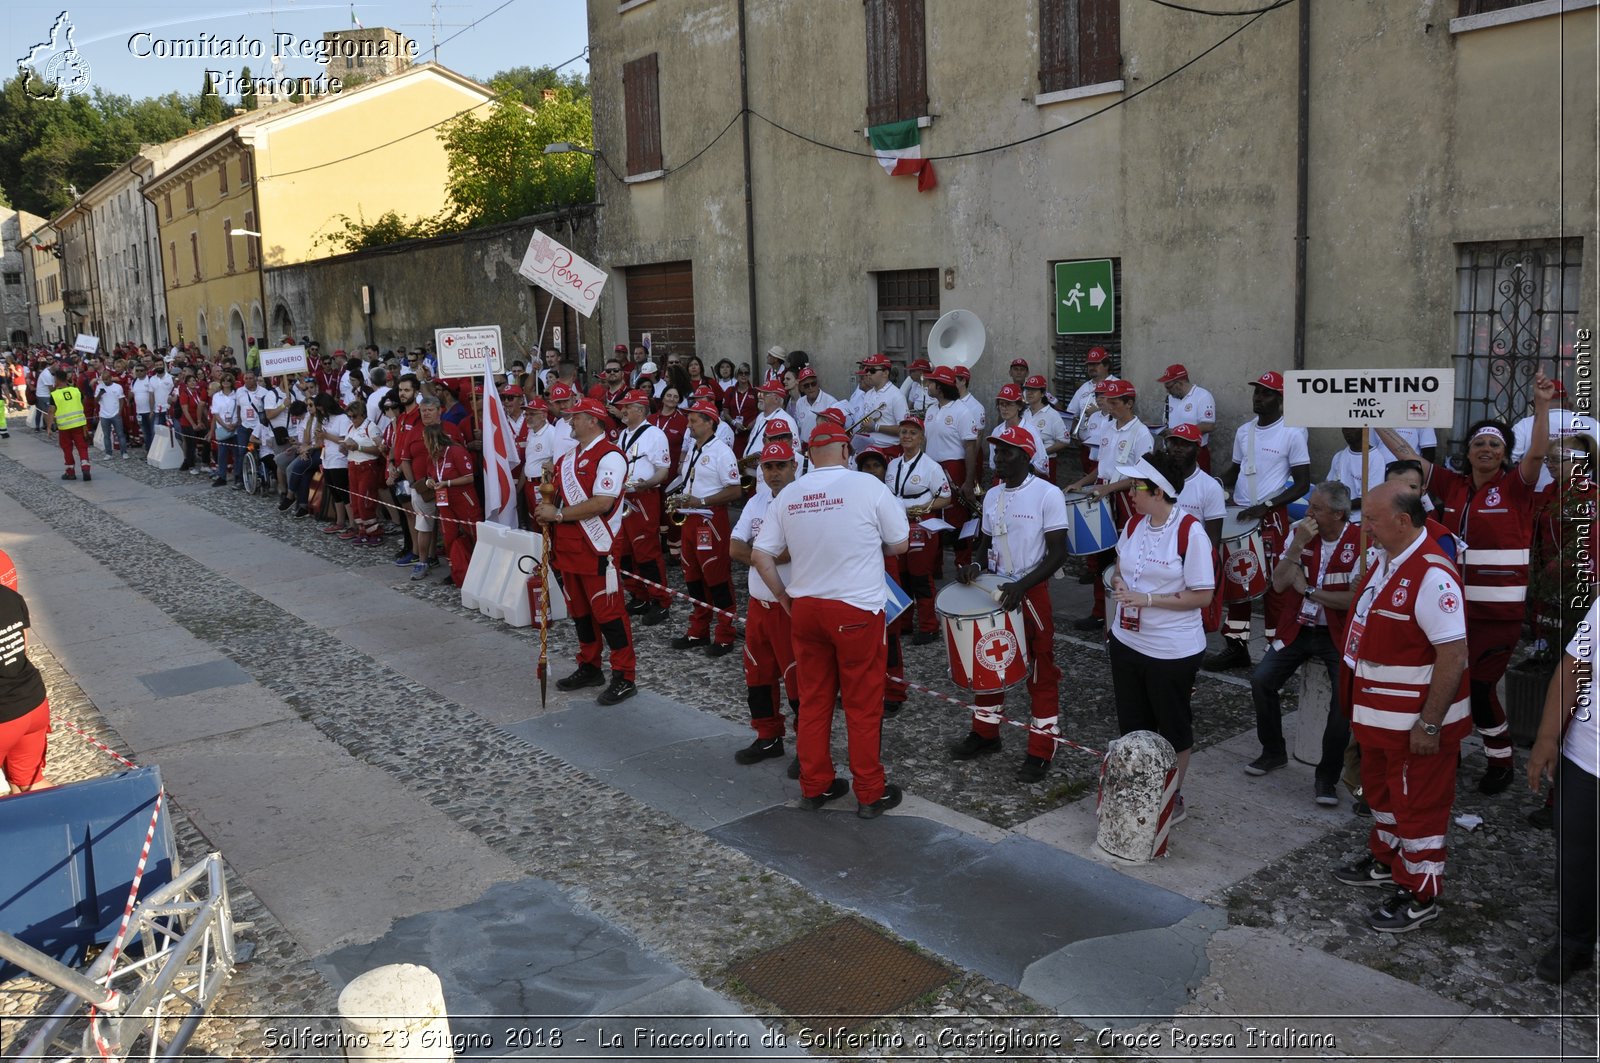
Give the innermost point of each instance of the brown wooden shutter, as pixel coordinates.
(642, 114)
(897, 61)
(1099, 41)
(1058, 44)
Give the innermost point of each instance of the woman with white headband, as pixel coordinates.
(1491, 507)
(1164, 580)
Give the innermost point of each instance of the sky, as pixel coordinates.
(121, 42)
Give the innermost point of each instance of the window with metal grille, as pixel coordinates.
(1072, 352)
(13, 279)
(1080, 43)
(1516, 312)
(1480, 7)
(897, 61)
(908, 289)
(641, 101)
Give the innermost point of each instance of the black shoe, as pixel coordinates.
(620, 689)
(1560, 964)
(285, 502)
(836, 789)
(1364, 872)
(684, 642)
(1543, 817)
(1403, 912)
(1360, 807)
(1033, 769)
(87, 476)
(922, 638)
(587, 675)
(794, 768)
(719, 649)
(301, 511)
(890, 799)
(637, 606)
(892, 708)
(69, 475)
(1326, 793)
(654, 615)
(974, 745)
(219, 483)
(759, 750)
(1496, 779)
(1266, 762)
(1235, 654)
(1088, 623)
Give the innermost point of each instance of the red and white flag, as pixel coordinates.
(499, 447)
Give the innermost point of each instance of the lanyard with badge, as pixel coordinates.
(1151, 539)
(1311, 612)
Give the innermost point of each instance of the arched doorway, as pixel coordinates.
(282, 325)
(236, 333)
(200, 335)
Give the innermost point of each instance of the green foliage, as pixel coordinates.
(358, 234)
(209, 108)
(247, 92)
(531, 82)
(498, 170)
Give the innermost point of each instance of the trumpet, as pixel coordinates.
(671, 506)
(918, 512)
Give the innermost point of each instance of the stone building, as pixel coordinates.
(19, 318)
(1435, 203)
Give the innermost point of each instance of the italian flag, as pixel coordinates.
(898, 146)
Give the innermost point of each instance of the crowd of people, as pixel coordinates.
(1407, 579)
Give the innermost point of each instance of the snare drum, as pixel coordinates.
(1091, 523)
(987, 648)
(1245, 570)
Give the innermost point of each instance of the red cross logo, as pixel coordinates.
(449, 341)
(1242, 569)
(997, 652)
(542, 251)
(1449, 602)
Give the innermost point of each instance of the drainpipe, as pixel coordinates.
(749, 200)
(1302, 186)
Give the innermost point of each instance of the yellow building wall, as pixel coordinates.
(52, 312)
(313, 168)
(219, 293)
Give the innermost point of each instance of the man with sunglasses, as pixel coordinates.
(612, 388)
(879, 409)
(812, 401)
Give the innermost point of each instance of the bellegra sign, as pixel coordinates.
(463, 351)
(1374, 398)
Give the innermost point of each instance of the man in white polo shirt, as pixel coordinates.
(1189, 403)
(836, 526)
(1202, 496)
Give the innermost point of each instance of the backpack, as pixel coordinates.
(1211, 615)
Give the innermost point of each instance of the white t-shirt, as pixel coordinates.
(1149, 561)
(1416, 437)
(806, 410)
(1582, 744)
(161, 385)
(538, 450)
(1047, 424)
(947, 429)
(918, 397)
(1346, 468)
(365, 434)
(144, 395)
(1040, 460)
(224, 413)
(980, 416)
(885, 406)
(746, 531)
(562, 441)
(724, 435)
(1095, 426)
(42, 386)
(757, 441)
(646, 450)
(834, 523)
(1203, 497)
(333, 456)
(1016, 520)
(1562, 423)
(1265, 456)
(1437, 600)
(1123, 445)
(374, 402)
(347, 388)
(1084, 396)
(916, 481)
(705, 470)
(1197, 408)
(252, 404)
(111, 396)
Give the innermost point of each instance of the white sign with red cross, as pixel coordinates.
(563, 274)
(1369, 398)
(465, 351)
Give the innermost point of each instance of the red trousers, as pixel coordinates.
(459, 528)
(706, 572)
(1410, 797)
(839, 654)
(1044, 679)
(641, 541)
(918, 566)
(1236, 616)
(598, 612)
(768, 666)
(364, 491)
(956, 513)
(1489, 647)
(71, 438)
(22, 746)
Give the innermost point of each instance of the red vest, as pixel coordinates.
(1388, 664)
(462, 500)
(575, 551)
(1496, 522)
(1342, 565)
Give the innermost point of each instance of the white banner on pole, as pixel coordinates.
(283, 361)
(86, 343)
(1372, 398)
(555, 268)
(465, 351)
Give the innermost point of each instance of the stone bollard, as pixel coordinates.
(395, 1012)
(1138, 788)
(1312, 716)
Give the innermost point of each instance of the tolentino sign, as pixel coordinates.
(1372, 398)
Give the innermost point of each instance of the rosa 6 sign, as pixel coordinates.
(1369, 398)
(568, 277)
(466, 351)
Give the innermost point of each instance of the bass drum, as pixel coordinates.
(985, 643)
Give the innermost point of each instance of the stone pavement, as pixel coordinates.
(375, 767)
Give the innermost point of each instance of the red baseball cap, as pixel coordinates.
(635, 397)
(1019, 361)
(920, 363)
(778, 426)
(704, 392)
(827, 432)
(1175, 371)
(963, 373)
(536, 403)
(773, 387)
(621, 348)
(777, 452)
(943, 374)
(560, 392)
(1009, 393)
(875, 361)
(1190, 432)
(872, 452)
(1098, 354)
(1117, 389)
(592, 408)
(1016, 436)
(834, 414)
(706, 409)
(914, 421)
(1036, 382)
(1272, 381)
(807, 373)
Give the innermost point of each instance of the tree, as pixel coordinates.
(209, 108)
(358, 234)
(247, 89)
(498, 170)
(531, 82)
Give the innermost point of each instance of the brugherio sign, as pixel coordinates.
(1372, 398)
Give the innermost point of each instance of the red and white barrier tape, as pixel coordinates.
(117, 942)
(56, 721)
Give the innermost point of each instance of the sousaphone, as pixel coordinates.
(957, 339)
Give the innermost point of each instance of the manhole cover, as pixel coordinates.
(841, 976)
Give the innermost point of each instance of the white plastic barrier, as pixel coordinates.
(1138, 794)
(1312, 716)
(166, 447)
(497, 580)
(395, 1012)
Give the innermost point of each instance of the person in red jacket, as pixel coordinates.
(456, 499)
(1491, 507)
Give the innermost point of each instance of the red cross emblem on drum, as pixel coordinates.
(996, 649)
(1243, 569)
